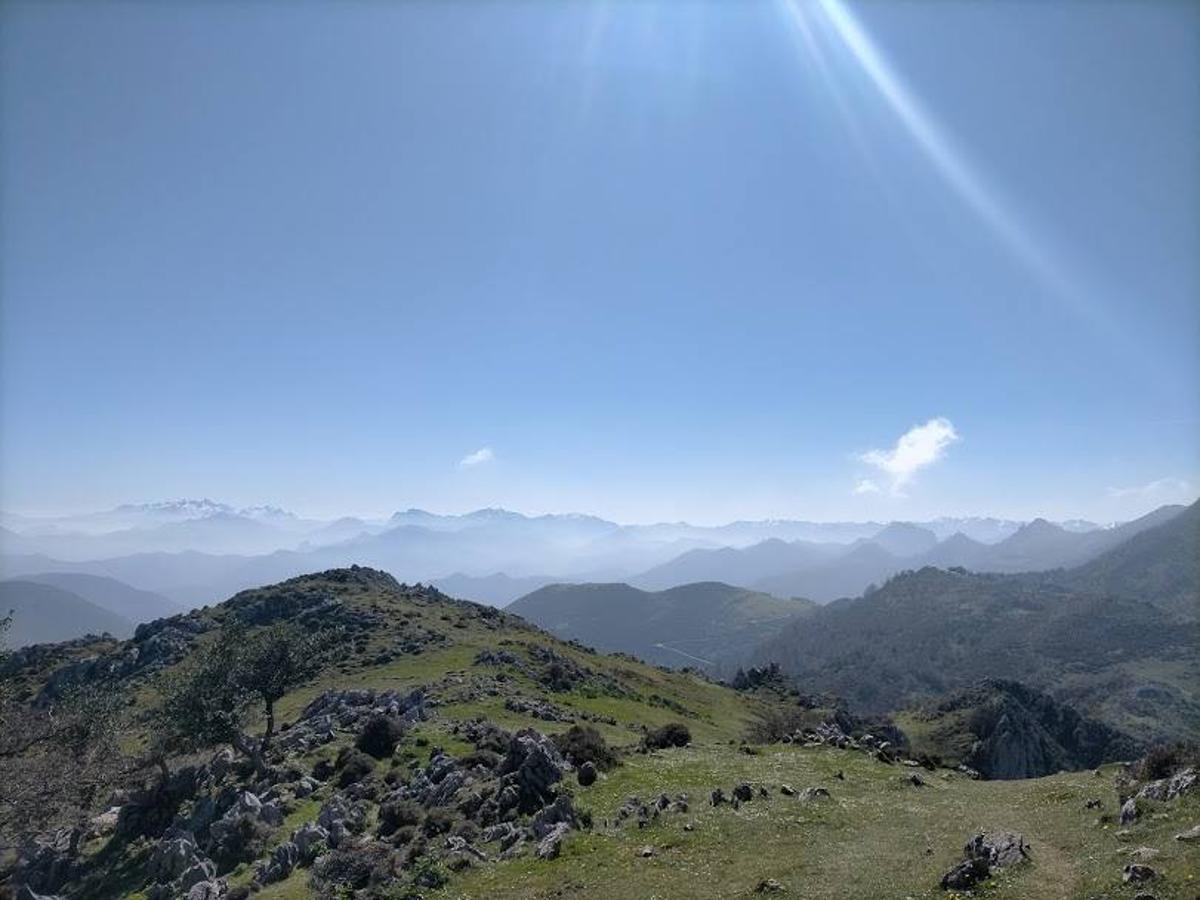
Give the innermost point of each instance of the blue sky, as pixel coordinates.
(648, 260)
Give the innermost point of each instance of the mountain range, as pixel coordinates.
(193, 550)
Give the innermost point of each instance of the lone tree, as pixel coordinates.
(214, 699)
(58, 758)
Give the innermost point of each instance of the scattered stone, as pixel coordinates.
(743, 793)
(1136, 873)
(550, 845)
(1129, 811)
(787, 790)
(769, 886)
(982, 854)
(915, 780)
(1000, 849)
(586, 774)
(717, 797)
(965, 874)
(646, 852)
(1192, 834)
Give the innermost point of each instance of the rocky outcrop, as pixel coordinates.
(1176, 785)
(1019, 732)
(531, 769)
(984, 853)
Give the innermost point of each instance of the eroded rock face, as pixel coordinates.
(283, 859)
(531, 769)
(51, 862)
(1169, 788)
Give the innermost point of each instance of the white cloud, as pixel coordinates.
(480, 456)
(865, 486)
(1159, 488)
(920, 446)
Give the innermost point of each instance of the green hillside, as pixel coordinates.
(1160, 565)
(1122, 661)
(701, 625)
(419, 759)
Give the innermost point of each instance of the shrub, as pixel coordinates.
(380, 736)
(354, 868)
(489, 759)
(353, 766)
(397, 814)
(773, 724)
(430, 874)
(1162, 761)
(583, 743)
(673, 734)
(439, 820)
(246, 841)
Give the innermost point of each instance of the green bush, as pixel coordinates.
(583, 743)
(353, 766)
(380, 736)
(673, 734)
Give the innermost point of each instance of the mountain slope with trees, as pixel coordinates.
(699, 625)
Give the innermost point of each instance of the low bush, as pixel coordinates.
(380, 736)
(583, 743)
(673, 734)
(353, 766)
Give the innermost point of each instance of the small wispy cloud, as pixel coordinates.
(480, 456)
(920, 446)
(1160, 487)
(865, 486)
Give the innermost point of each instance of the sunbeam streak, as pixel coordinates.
(951, 164)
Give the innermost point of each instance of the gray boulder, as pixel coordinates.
(533, 766)
(550, 844)
(279, 866)
(1129, 811)
(308, 838)
(1137, 873)
(1000, 848)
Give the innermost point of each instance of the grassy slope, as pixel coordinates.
(875, 837)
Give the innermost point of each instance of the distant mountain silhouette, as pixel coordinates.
(697, 625)
(845, 576)
(905, 539)
(43, 614)
(743, 566)
(495, 590)
(1160, 564)
(115, 596)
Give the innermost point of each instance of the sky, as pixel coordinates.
(654, 261)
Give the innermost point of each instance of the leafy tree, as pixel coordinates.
(214, 699)
(56, 760)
